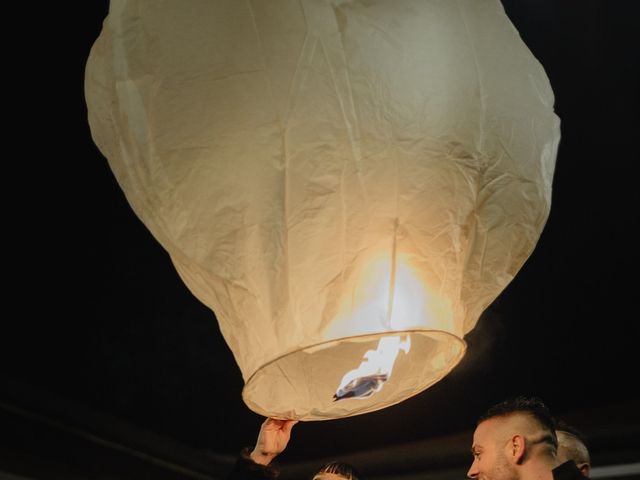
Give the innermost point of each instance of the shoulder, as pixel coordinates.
(567, 471)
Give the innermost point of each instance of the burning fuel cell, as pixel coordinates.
(361, 383)
(361, 387)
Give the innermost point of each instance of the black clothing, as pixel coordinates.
(567, 471)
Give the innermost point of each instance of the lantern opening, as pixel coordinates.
(310, 375)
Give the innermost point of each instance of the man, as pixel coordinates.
(272, 440)
(571, 446)
(516, 440)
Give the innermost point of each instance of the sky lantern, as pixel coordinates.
(347, 185)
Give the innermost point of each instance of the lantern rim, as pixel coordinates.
(358, 338)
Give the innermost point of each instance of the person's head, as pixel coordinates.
(572, 446)
(512, 438)
(337, 471)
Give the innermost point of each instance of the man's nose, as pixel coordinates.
(473, 471)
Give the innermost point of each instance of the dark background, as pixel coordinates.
(103, 326)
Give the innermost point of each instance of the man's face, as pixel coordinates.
(490, 461)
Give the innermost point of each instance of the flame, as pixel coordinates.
(374, 370)
(387, 296)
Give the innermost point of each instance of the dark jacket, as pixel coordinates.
(567, 471)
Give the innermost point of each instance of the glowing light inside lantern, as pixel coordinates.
(374, 306)
(390, 298)
(374, 370)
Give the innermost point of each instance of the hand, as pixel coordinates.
(272, 440)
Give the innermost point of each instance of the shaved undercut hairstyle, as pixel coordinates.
(532, 407)
(573, 441)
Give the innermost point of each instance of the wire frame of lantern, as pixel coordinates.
(346, 184)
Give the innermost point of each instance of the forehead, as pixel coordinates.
(483, 429)
(328, 476)
(485, 432)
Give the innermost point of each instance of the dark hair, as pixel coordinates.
(531, 406)
(340, 468)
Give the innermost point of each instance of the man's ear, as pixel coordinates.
(517, 448)
(585, 469)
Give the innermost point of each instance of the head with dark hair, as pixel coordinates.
(337, 471)
(572, 446)
(532, 407)
(515, 438)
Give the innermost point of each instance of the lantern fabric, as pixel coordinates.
(327, 173)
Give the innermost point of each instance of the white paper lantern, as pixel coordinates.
(329, 173)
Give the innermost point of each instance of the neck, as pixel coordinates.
(539, 469)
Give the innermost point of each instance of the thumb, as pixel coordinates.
(289, 425)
